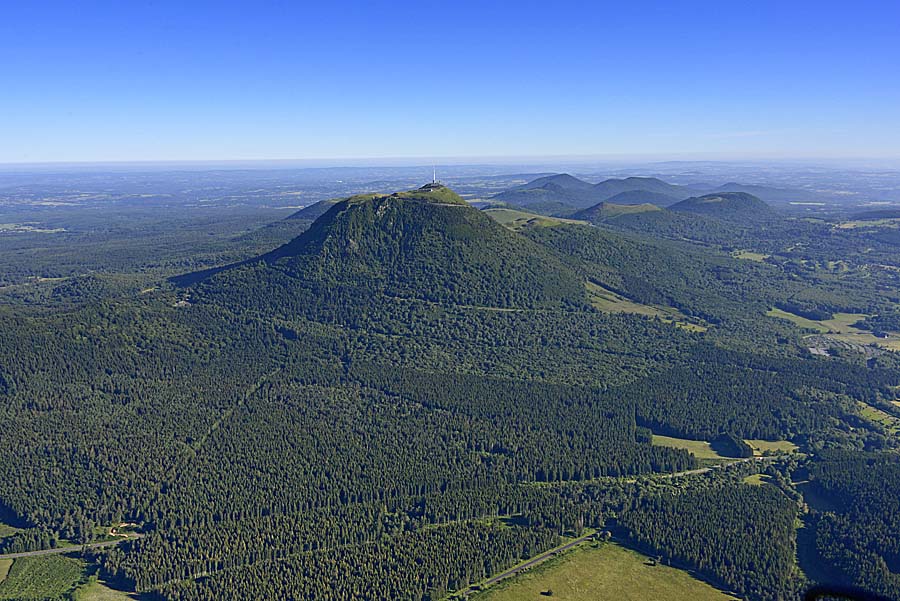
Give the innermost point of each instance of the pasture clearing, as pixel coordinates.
(7, 530)
(517, 220)
(698, 448)
(608, 301)
(749, 255)
(5, 564)
(756, 479)
(840, 328)
(95, 590)
(884, 419)
(604, 572)
(775, 446)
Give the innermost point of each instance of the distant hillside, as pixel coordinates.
(558, 192)
(876, 214)
(640, 197)
(314, 211)
(562, 181)
(606, 211)
(550, 194)
(425, 244)
(725, 205)
(768, 193)
(613, 187)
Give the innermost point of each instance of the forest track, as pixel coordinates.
(71, 549)
(528, 564)
(705, 470)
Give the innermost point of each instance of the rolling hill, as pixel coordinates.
(769, 193)
(639, 197)
(726, 205)
(556, 193)
(613, 187)
(606, 211)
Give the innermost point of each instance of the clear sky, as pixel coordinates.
(191, 80)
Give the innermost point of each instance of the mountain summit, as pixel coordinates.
(426, 244)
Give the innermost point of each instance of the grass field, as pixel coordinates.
(776, 446)
(756, 479)
(840, 327)
(609, 302)
(5, 564)
(802, 322)
(41, 577)
(887, 421)
(605, 573)
(698, 448)
(516, 220)
(94, 590)
(7, 530)
(749, 255)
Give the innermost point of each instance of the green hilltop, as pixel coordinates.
(725, 205)
(606, 211)
(425, 244)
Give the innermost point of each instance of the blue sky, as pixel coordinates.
(192, 80)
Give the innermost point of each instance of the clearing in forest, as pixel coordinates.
(601, 572)
(698, 448)
(776, 446)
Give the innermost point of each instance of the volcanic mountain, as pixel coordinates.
(422, 245)
(726, 205)
(557, 193)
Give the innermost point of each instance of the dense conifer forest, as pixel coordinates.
(408, 397)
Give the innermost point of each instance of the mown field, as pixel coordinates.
(609, 302)
(7, 530)
(840, 328)
(887, 421)
(698, 448)
(750, 255)
(604, 573)
(94, 590)
(517, 220)
(756, 479)
(39, 578)
(5, 564)
(776, 446)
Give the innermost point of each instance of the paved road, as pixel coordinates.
(530, 563)
(72, 549)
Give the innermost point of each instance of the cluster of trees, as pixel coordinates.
(858, 531)
(740, 536)
(426, 564)
(880, 324)
(409, 398)
(754, 396)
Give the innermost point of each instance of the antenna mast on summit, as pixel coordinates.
(433, 174)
